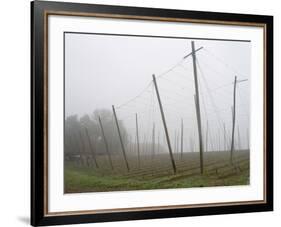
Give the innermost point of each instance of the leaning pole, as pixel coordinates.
(165, 126)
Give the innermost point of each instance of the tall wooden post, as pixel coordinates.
(138, 141)
(197, 104)
(165, 126)
(153, 141)
(92, 148)
(224, 137)
(212, 140)
(181, 138)
(131, 144)
(238, 135)
(233, 121)
(120, 137)
(200, 138)
(207, 129)
(177, 150)
(106, 144)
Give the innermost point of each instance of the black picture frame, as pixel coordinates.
(39, 122)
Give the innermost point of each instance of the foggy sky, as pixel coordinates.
(105, 70)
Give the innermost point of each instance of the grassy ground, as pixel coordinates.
(157, 173)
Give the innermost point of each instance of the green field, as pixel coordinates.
(156, 172)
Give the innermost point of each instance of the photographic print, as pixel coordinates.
(140, 113)
(148, 112)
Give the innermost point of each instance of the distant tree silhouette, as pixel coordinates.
(76, 141)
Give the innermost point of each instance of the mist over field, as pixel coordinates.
(102, 71)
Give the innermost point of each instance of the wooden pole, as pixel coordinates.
(130, 144)
(138, 141)
(212, 139)
(197, 104)
(200, 139)
(181, 138)
(239, 141)
(224, 137)
(92, 148)
(120, 137)
(207, 129)
(165, 126)
(106, 144)
(135, 145)
(177, 141)
(153, 141)
(233, 120)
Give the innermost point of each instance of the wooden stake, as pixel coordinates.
(106, 144)
(238, 135)
(181, 138)
(224, 137)
(233, 121)
(165, 126)
(138, 142)
(153, 141)
(207, 129)
(177, 141)
(120, 137)
(197, 104)
(200, 139)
